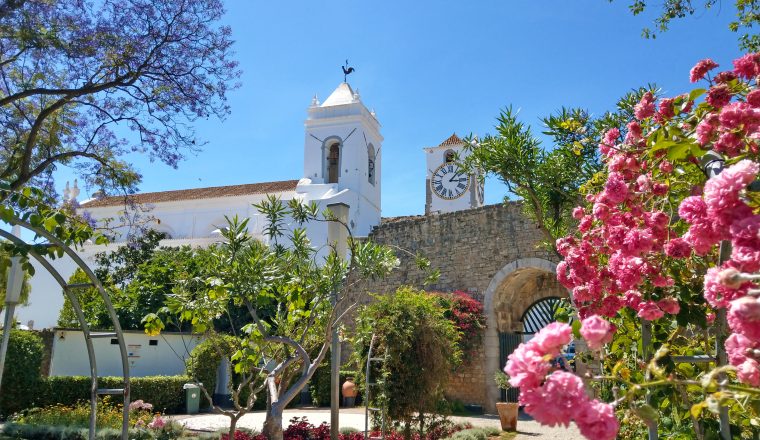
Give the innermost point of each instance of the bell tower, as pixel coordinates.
(342, 151)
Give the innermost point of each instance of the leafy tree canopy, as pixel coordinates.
(77, 76)
(548, 180)
(747, 16)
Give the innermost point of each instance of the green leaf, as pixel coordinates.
(679, 151)
(577, 329)
(696, 93)
(50, 223)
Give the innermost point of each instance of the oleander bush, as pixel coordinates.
(421, 348)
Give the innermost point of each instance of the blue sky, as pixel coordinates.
(428, 68)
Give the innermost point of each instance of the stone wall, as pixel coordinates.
(473, 249)
(468, 247)
(466, 383)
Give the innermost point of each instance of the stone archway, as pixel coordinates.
(513, 289)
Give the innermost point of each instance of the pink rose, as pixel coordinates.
(677, 248)
(157, 423)
(557, 400)
(719, 295)
(701, 68)
(597, 421)
(648, 310)
(718, 96)
(526, 367)
(645, 107)
(552, 338)
(744, 317)
(747, 66)
(669, 306)
(749, 372)
(737, 347)
(596, 331)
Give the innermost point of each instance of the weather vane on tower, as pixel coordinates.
(347, 71)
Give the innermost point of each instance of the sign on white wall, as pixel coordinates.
(162, 355)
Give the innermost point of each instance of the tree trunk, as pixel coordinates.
(273, 423)
(233, 427)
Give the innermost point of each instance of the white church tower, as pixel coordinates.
(342, 157)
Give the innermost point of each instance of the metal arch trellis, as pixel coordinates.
(88, 335)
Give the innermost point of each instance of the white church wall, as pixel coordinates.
(190, 219)
(166, 357)
(46, 296)
(193, 222)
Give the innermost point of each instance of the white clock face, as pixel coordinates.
(449, 182)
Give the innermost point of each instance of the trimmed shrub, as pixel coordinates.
(165, 393)
(22, 371)
(204, 360)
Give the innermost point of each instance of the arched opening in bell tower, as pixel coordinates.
(371, 164)
(333, 163)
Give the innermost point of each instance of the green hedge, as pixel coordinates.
(22, 373)
(165, 393)
(204, 360)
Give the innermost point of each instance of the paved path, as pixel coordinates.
(354, 417)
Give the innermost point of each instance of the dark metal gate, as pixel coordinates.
(507, 344)
(537, 316)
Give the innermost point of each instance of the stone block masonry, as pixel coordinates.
(471, 248)
(468, 247)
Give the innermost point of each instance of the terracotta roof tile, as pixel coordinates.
(452, 140)
(212, 192)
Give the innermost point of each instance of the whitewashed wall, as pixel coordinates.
(167, 357)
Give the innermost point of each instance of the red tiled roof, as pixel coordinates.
(452, 140)
(212, 192)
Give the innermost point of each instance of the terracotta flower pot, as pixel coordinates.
(508, 415)
(349, 388)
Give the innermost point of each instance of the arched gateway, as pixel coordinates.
(519, 301)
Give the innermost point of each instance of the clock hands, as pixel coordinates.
(460, 179)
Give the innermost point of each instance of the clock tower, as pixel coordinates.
(447, 188)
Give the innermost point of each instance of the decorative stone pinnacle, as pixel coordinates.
(74, 191)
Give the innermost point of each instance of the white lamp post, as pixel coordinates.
(12, 296)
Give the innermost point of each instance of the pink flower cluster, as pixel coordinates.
(560, 397)
(626, 239)
(722, 215)
(157, 422)
(597, 331)
(139, 404)
(732, 127)
(621, 245)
